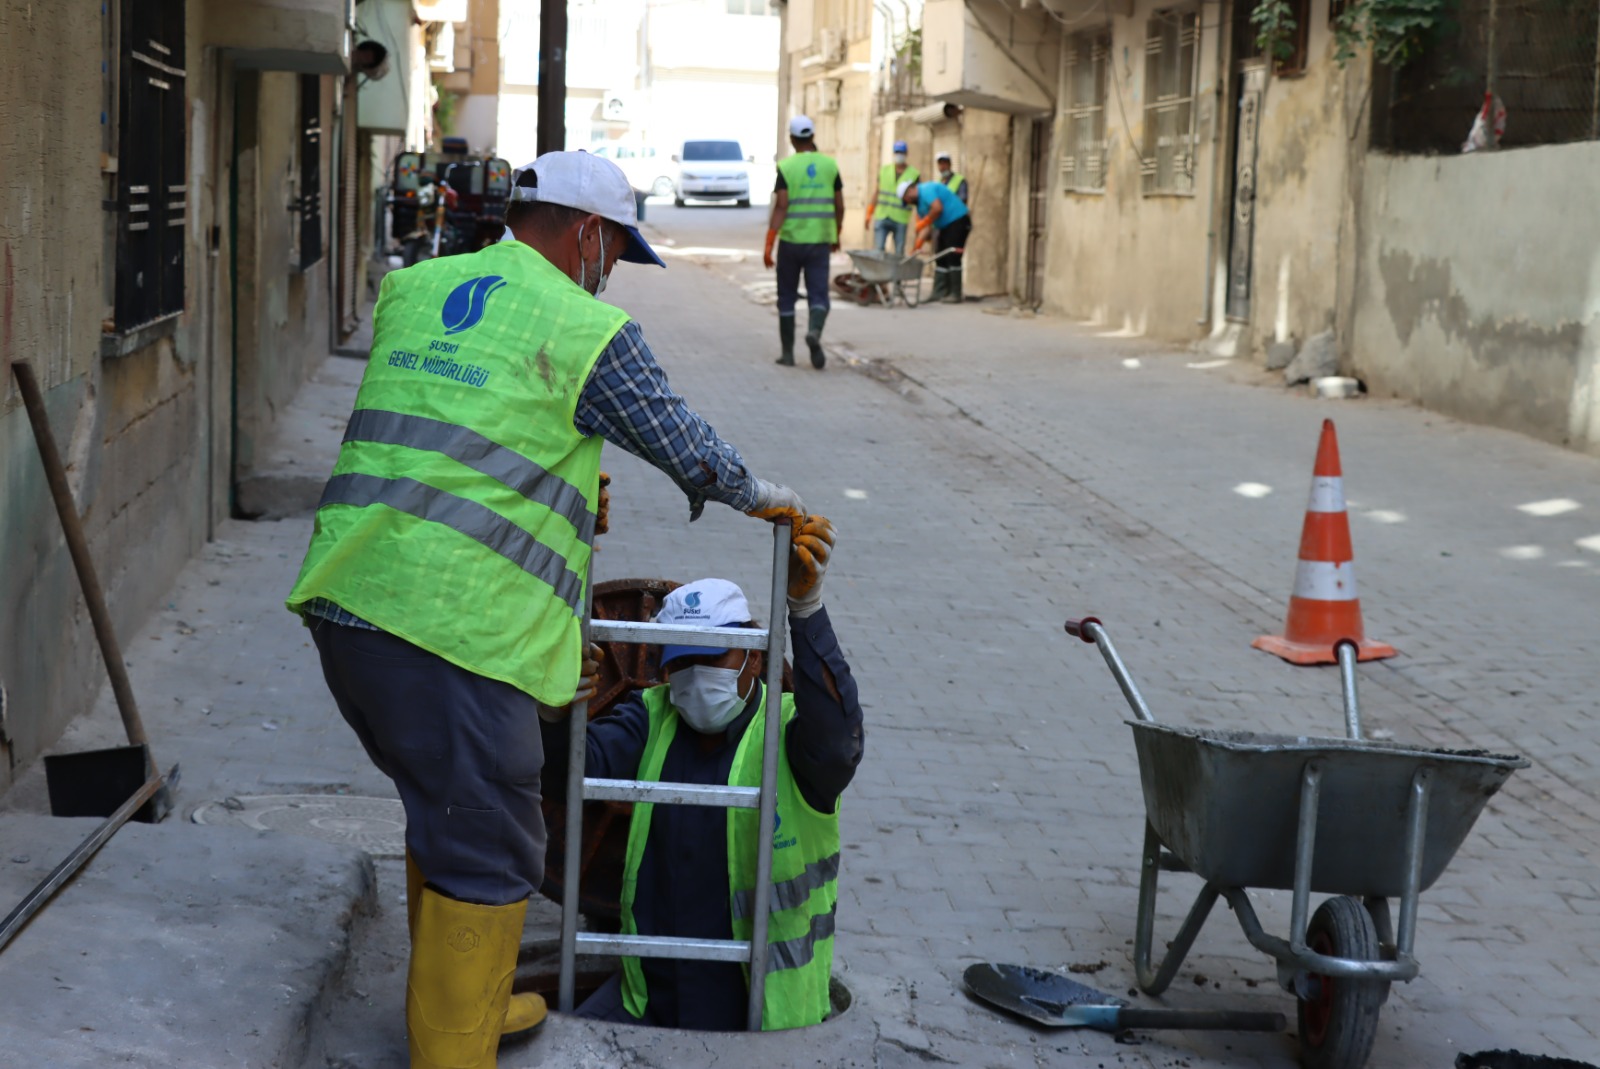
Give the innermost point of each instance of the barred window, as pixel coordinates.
(151, 190)
(1083, 148)
(1172, 43)
(309, 203)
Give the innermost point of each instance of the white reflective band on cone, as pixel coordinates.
(1327, 494)
(1321, 580)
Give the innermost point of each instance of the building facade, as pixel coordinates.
(181, 244)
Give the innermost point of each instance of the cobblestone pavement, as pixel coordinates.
(991, 476)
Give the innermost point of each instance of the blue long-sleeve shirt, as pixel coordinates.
(682, 886)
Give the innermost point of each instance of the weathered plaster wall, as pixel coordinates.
(979, 144)
(130, 427)
(1120, 258)
(283, 310)
(1478, 290)
(1305, 149)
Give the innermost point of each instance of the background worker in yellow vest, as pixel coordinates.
(445, 576)
(807, 212)
(893, 216)
(957, 183)
(705, 726)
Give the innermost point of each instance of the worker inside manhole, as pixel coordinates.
(689, 870)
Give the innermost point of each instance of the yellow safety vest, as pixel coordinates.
(890, 206)
(461, 512)
(805, 873)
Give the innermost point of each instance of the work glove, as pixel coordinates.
(808, 561)
(588, 686)
(777, 502)
(766, 254)
(602, 512)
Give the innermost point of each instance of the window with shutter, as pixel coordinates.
(310, 200)
(152, 192)
(1172, 45)
(1083, 149)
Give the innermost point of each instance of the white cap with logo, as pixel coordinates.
(702, 603)
(589, 184)
(801, 126)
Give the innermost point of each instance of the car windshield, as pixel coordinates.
(712, 150)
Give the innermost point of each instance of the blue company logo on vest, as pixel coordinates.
(777, 823)
(811, 170)
(465, 306)
(462, 311)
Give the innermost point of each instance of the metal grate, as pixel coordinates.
(1172, 44)
(1083, 148)
(152, 187)
(309, 204)
(1538, 57)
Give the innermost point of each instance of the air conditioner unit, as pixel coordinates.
(832, 46)
(615, 108)
(442, 49)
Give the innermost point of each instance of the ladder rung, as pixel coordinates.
(632, 790)
(665, 946)
(648, 634)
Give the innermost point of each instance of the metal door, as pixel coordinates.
(1038, 191)
(1251, 80)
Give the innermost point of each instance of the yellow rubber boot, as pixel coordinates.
(463, 957)
(523, 1011)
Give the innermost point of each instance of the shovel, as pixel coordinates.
(1057, 1002)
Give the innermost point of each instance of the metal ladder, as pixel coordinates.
(581, 788)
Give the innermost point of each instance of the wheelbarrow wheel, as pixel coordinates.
(1339, 1022)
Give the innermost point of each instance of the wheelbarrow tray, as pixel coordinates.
(880, 266)
(1226, 804)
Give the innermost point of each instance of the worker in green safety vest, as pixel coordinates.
(957, 183)
(893, 216)
(807, 212)
(449, 561)
(689, 870)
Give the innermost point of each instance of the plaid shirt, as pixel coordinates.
(628, 402)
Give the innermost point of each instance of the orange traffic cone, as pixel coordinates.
(1324, 609)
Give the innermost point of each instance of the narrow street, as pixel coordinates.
(991, 476)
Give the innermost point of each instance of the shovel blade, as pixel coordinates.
(1040, 995)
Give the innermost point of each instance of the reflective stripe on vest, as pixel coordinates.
(890, 206)
(505, 466)
(809, 179)
(460, 514)
(805, 866)
(486, 527)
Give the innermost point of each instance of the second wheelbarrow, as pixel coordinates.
(1362, 820)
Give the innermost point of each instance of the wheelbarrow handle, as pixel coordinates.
(1090, 629)
(1195, 1020)
(1080, 628)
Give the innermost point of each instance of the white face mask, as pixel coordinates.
(899, 157)
(706, 697)
(583, 266)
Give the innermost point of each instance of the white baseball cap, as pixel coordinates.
(702, 603)
(589, 184)
(801, 126)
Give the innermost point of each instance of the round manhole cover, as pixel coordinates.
(376, 825)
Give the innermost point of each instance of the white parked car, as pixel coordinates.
(713, 169)
(648, 171)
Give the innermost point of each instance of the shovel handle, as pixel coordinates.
(1198, 1020)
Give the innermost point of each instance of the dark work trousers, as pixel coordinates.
(464, 751)
(792, 261)
(953, 236)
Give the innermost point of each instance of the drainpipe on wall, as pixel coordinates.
(1217, 124)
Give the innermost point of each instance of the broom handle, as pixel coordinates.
(55, 474)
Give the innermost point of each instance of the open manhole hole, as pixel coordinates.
(376, 825)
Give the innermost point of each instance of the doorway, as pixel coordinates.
(1038, 205)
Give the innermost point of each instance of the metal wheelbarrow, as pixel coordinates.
(1362, 820)
(887, 276)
